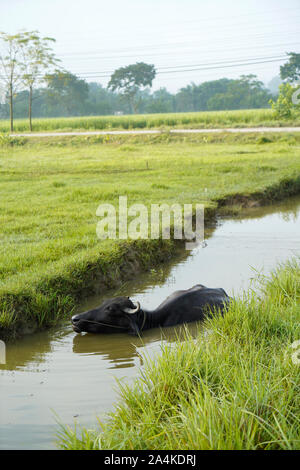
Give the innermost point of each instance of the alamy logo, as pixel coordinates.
(135, 222)
(2, 352)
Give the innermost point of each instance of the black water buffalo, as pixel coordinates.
(122, 315)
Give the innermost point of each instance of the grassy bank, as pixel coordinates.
(50, 256)
(209, 119)
(235, 388)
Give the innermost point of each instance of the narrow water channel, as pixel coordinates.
(59, 373)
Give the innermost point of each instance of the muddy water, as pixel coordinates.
(73, 377)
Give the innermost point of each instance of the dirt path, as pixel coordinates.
(157, 131)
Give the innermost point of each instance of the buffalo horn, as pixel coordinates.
(132, 310)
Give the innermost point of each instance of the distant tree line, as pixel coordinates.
(32, 83)
(65, 94)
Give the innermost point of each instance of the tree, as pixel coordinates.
(247, 92)
(243, 93)
(129, 80)
(66, 93)
(10, 71)
(37, 58)
(187, 98)
(291, 70)
(284, 105)
(102, 101)
(196, 97)
(161, 101)
(273, 85)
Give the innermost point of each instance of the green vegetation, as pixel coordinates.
(205, 120)
(24, 59)
(291, 69)
(66, 94)
(284, 107)
(129, 80)
(50, 189)
(236, 388)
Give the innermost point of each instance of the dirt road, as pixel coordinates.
(157, 131)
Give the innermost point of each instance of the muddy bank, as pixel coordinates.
(239, 249)
(61, 295)
(285, 188)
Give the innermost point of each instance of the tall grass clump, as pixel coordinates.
(201, 119)
(235, 387)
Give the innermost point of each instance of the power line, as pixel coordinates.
(213, 19)
(210, 50)
(99, 75)
(200, 75)
(163, 54)
(203, 66)
(231, 61)
(143, 48)
(227, 66)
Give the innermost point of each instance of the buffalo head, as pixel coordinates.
(118, 315)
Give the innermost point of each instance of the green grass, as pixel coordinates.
(205, 119)
(49, 253)
(236, 388)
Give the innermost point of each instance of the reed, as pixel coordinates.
(236, 388)
(202, 119)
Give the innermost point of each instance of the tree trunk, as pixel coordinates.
(30, 108)
(11, 107)
(133, 105)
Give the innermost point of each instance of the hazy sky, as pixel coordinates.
(187, 40)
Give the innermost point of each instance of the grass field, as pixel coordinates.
(235, 389)
(211, 119)
(50, 190)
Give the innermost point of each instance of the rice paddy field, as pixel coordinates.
(50, 189)
(211, 119)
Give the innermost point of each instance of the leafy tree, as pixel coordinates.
(129, 80)
(284, 105)
(37, 58)
(66, 94)
(187, 97)
(273, 85)
(206, 90)
(291, 70)
(246, 92)
(196, 97)
(102, 101)
(10, 71)
(99, 100)
(161, 101)
(39, 105)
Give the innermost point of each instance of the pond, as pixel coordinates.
(60, 374)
